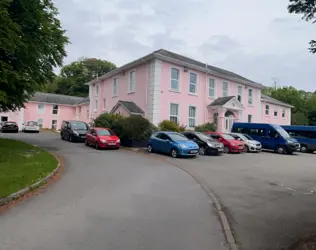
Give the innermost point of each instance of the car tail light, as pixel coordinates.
(118, 141)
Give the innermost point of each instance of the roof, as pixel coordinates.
(269, 99)
(84, 101)
(221, 101)
(171, 57)
(57, 98)
(299, 128)
(131, 107)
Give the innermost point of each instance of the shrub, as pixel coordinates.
(135, 127)
(108, 120)
(167, 125)
(207, 127)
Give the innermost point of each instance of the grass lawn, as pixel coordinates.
(21, 165)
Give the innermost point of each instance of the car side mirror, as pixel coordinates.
(220, 139)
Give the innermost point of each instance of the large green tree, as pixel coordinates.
(308, 9)
(72, 77)
(31, 45)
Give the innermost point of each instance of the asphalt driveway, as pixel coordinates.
(269, 199)
(112, 200)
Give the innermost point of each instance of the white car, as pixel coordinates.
(30, 126)
(250, 144)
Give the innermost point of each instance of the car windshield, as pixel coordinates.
(104, 132)
(9, 123)
(178, 137)
(282, 132)
(228, 137)
(31, 123)
(247, 137)
(204, 137)
(79, 126)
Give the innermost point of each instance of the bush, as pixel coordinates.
(167, 125)
(110, 121)
(207, 127)
(135, 127)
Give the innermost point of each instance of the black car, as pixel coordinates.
(207, 144)
(73, 130)
(9, 127)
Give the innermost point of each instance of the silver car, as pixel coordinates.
(250, 144)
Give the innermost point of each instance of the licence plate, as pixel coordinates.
(220, 149)
(111, 144)
(193, 151)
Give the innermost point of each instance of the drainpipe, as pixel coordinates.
(146, 88)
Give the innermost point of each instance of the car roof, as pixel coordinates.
(99, 128)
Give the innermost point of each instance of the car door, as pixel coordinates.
(93, 137)
(164, 143)
(67, 130)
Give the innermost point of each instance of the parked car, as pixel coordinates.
(102, 138)
(10, 127)
(271, 136)
(251, 145)
(30, 126)
(74, 131)
(172, 143)
(207, 144)
(231, 145)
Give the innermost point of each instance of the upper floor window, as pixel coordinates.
(175, 73)
(115, 87)
(283, 113)
(192, 116)
(174, 112)
(267, 112)
(211, 88)
(96, 105)
(275, 112)
(132, 79)
(225, 89)
(96, 89)
(250, 96)
(193, 83)
(40, 108)
(55, 109)
(239, 97)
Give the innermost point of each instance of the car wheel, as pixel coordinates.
(280, 150)
(202, 151)
(86, 142)
(246, 149)
(149, 148)
(226, 149)
(71, 139)
(304, 149)
(174, 153)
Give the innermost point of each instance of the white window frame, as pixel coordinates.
(178, 115)
(223, 83)
(275, 110)
(115, 81)
(239, 94)
(87, 113)
(209, 88)
(283, 114)
(267, 109)
(96, 105)
(131, 88)
(41, 111)
(40, 123)
(191, 117)
(104, 103)
(56, 124)
(173, 79)
(96, 89)
(196, 84)
(53, 109)
(250, 97)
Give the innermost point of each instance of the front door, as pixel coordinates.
(229, 121)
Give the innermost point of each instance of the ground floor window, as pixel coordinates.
(40, 122)
(249, 118)
(174, 112)
(54, 124)
(192, 116)
(4, 118)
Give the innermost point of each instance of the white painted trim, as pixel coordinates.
(196, 116)
(117, 86)
(223, 88)
(173, 102)
(259, 106)
(37, 109)
(179, 80)
(251, 104)
(196, 85)
(131, 91)
(239, 104)
(265, 108)
(208, 88)
(242, 91)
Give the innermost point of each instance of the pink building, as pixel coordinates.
(49, 110)
(167, 86)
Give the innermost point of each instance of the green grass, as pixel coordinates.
(22, 165)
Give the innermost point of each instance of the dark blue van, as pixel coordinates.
(305, 135)
(272, 137)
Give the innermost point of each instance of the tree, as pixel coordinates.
(31, 44)
(308, 9)
(72, 77)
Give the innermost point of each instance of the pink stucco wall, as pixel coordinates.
(64, 113)
(12, 116)
(82, 112)
(122, 111)
(270, 118)
(106, 91)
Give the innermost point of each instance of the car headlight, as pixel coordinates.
(75, 133)
(211, 145)
(103, 141)
(118, 141)
(182, 146)
(289, 142)
(232, 144)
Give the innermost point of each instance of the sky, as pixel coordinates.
(257, 39)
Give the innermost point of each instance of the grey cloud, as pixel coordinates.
(164, 40)
(219, 44)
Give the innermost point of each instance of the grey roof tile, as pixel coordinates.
(221, 101)
(55, 98)
(84, 100)
(131, 107)
(269, 99)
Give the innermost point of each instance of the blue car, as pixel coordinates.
(172, 143)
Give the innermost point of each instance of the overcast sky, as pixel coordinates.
(258, 39)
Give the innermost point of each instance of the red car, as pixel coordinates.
(102, 138)
(231, 145)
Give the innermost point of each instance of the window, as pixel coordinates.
(55, 109)
(96, 105)
(267, 110)
(40, 108)
(174, 85)
(275, 112)
(249, 118)
(174, 112)
(250, 96)
(132, 79)
(40, 122)
(256, 131)
(87, 114)
(104, 104)
(193, 83)
(283, 113)
(54, 124)
(211, 88)
(79, 110)
(115, 87)
(239, 97)
(163, 136)
(96, 89)
(192, 116)
(225, 89)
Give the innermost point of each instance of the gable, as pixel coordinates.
(234, 104)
